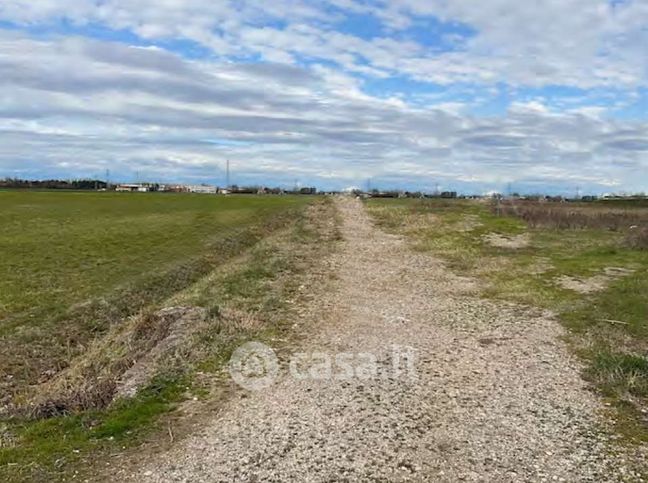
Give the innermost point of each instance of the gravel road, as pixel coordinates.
(482, 391)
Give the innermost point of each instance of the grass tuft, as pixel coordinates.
(619, 373)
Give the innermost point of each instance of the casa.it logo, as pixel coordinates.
(254, 366)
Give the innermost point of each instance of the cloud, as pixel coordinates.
(570, 42)
(582, 43)
(134, 109)
(496, 141)
(629, 144)
(285, 91)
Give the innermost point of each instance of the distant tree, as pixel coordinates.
(53, 184)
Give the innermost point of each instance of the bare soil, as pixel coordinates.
(595, 283)
(502, 241)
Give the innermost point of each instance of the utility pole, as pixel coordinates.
(227, 175)
(107, 180)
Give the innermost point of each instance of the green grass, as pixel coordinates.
(59, 249)
(609, 328)
(49, 449)
(254, 281)
(73, 264)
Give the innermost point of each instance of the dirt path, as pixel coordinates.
(493, 396)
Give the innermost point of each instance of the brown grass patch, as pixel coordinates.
(513, 242)
(637, 238)
(574, 215)
(93, 379)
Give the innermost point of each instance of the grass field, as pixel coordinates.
(84, 277)
(60, 249)
(575, 260)
(74, 264)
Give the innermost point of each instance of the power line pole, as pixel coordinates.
(227, 175)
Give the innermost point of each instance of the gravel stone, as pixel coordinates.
(496, 397)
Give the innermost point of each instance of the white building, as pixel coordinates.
(132, 188)
(203, 189)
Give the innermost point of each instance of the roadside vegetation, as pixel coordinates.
(588, 263)
(95, 366)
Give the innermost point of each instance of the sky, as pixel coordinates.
(469, 95)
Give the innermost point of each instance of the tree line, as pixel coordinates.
(53, 184)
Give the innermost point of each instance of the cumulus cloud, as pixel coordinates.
(94, 105)
(282, 91)
(570, 42)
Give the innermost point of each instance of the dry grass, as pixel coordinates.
(630, 220)
(7, 439)
(574, 215)
(637, 238)
(92, 379)
(121, 363)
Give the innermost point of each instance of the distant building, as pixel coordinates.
(174, 188)
(244, 190)
(449, 194)
(132, 188)
(385, 194)
(202, 189)
(269, 191)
